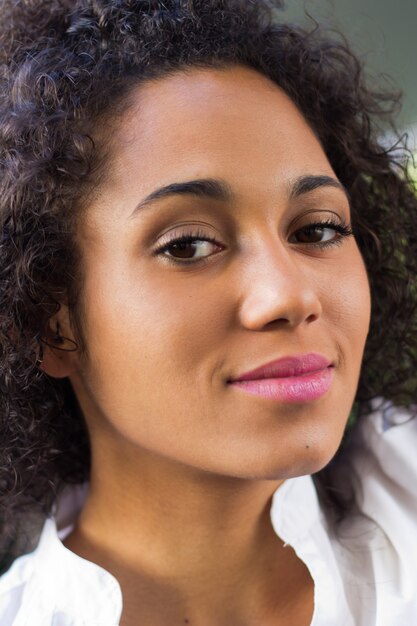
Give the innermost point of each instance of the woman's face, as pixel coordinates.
(167, 327)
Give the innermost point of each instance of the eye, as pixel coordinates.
(189, 248)
(321, 234)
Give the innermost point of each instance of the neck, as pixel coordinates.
(162, 528)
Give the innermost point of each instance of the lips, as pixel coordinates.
(294, 379)
(289, 366)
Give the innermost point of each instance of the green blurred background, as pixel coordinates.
(382, 32)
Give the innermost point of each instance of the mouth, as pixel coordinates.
(294, 379)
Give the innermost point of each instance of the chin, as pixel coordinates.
(288, 463)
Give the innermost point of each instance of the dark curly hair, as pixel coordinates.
(68, 65)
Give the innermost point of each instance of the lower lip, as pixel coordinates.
(291, 389)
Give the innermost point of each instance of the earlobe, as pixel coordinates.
(58, 354)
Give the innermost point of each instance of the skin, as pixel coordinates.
(184, 465)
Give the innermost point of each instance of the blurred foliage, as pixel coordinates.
(412, 168)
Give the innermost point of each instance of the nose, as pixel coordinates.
(277, 287)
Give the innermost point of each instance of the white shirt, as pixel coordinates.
(364, 575)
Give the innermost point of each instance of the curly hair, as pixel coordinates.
(66, 66)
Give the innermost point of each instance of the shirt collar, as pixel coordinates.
(64, 575)
(295, 509)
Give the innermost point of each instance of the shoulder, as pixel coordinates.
(375, 544)
(384, 462)
(386, 453)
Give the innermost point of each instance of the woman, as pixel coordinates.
(208, 317)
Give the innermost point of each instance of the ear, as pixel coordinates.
(60, 351)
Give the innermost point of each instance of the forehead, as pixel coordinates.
(232, 123)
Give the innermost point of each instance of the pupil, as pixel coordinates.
(183, 248)
(308, 233)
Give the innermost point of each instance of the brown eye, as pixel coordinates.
(195, 249)
(323, 234)
(189, 248)
(315, 234)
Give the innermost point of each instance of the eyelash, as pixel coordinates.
(343, 229)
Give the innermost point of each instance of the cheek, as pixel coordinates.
(152, 334)
(153, 346)
(349, 306)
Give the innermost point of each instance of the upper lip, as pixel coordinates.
(287, 366)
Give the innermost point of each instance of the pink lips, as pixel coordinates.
(299, 378)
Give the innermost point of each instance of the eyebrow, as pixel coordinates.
(219, 189)
(306, 184)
